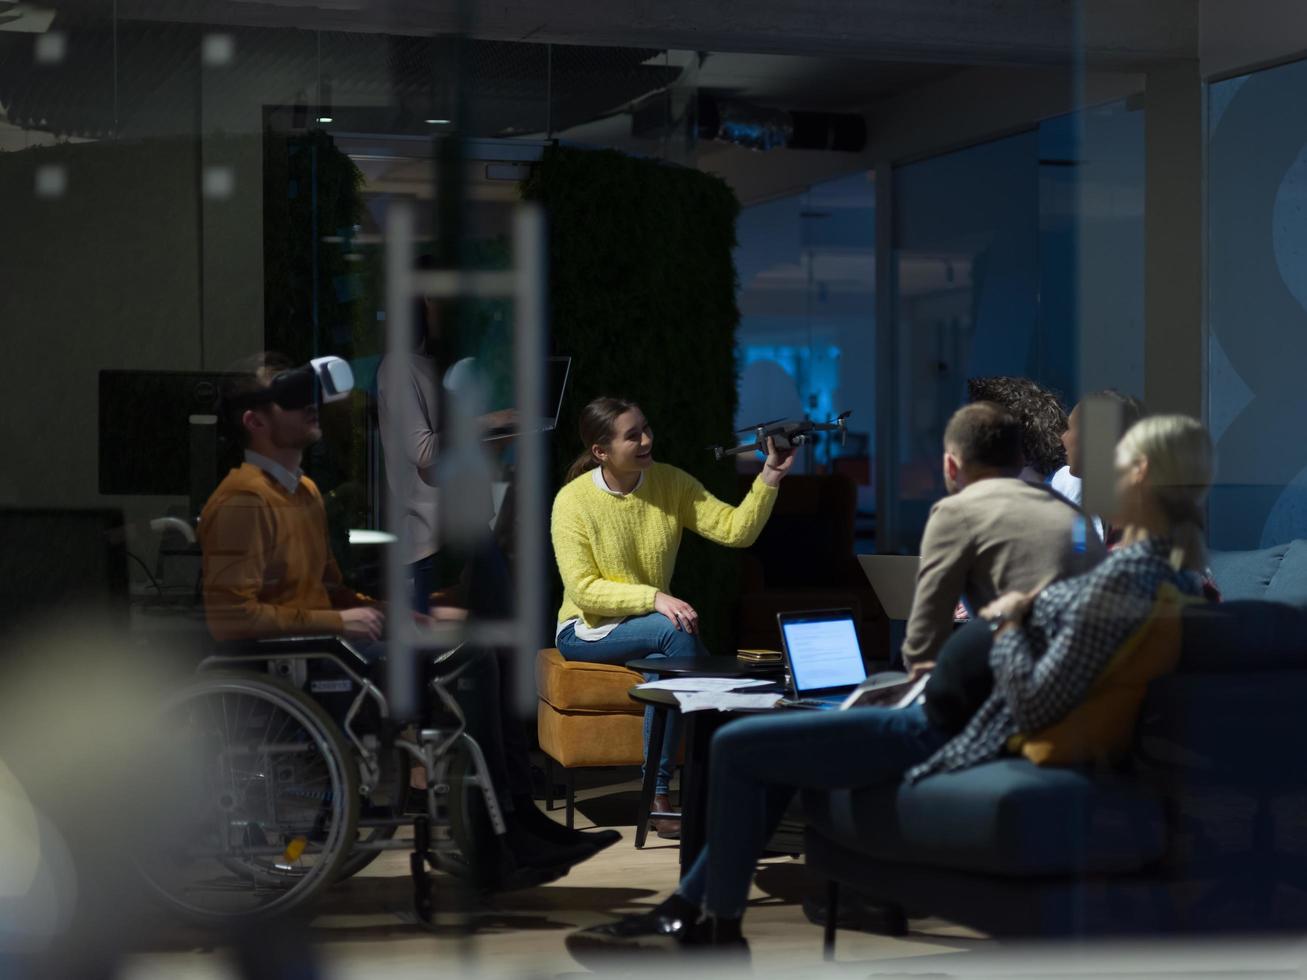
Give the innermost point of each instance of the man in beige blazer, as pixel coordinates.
(994, 533)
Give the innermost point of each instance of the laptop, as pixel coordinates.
(823, 657)
(894, 580)
(558, 371)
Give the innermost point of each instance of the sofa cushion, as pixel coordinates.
(571, 685)
(1289, 584)
(1246, 574)
(1103, 725)
(1243, 636)
(1007, 817)
(1233, 729)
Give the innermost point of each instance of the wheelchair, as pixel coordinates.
(287, 773)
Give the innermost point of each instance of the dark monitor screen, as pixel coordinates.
(69, 563)
(145, 430)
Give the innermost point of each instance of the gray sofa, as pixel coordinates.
(1202, 830)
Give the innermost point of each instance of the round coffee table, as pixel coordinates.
(663, 701)
(703, 667)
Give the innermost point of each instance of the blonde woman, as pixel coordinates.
(1045, 652)
(616, 528)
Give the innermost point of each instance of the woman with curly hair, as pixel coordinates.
(1042, 418)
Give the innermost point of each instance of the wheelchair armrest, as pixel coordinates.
(280, 646)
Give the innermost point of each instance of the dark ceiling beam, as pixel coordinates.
(1112, 33)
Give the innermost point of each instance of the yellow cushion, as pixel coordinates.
(1103, 726)
(582, 687)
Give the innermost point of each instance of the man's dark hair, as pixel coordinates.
(246, 377)
(985, 434)
(1040, 412)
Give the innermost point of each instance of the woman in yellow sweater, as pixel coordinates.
(617, 526)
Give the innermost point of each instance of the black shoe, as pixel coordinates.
(656, 930)
(528, 850)
(530, 817)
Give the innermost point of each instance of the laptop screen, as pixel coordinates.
(823, 651)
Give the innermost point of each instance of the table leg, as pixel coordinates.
(657, 732)
(699, 729)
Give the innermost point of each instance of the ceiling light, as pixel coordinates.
(437, 122)
(325, 119)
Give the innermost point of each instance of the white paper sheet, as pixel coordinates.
(703, 684)
(724, 701)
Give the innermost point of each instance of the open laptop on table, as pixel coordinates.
(825, 662)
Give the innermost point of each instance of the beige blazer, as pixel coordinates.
(995, 536)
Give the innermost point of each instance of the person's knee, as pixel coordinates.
(729, 745)
(679, 643)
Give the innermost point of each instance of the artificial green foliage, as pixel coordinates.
(642, 296)
(312, 202)
(300, 172)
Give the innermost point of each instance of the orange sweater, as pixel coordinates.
(268, 570)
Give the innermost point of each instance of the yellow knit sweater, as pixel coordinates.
(616, 553)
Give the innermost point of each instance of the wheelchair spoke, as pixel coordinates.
(272, 805)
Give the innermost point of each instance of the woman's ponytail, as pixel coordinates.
(1181, 461)
(598, 419)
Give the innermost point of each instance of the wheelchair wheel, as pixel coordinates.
(264, 801)
(357, 860)
(481, 860)
(394, 786)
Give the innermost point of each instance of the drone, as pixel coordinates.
(785, 434)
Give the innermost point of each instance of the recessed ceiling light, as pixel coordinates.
(438, 122)
(325, 119)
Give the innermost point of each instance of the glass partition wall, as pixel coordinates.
(1020, 256)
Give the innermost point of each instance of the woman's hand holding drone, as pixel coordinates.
(777, 465)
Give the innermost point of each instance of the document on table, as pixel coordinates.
(703, 684)
(724, 701)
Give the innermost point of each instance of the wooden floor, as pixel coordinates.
(364, 927)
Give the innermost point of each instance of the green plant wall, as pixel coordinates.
(642, 296)
(318, 301)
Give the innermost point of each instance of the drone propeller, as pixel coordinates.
(760, 425)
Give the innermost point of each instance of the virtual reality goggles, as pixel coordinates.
(323, 379)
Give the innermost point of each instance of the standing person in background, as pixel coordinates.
(616, 527)
(410, 396)
(411, 392)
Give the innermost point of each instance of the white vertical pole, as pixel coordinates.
(400, 293)
(530, 257)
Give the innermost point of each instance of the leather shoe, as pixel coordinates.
(665, 827)
(657, 930)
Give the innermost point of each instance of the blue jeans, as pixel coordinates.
(757, 764)
(652, 635)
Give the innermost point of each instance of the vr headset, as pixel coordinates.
(323, 379)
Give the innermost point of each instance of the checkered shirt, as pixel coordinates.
(1045, 668)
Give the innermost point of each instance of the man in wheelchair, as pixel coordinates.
(269, 576)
